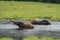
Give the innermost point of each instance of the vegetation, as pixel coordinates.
(50, 1)
(29, 10)
(36, 38)
(6, 39)
(31, 38)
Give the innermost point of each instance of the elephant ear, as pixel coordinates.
(20, 23)
(46, 22)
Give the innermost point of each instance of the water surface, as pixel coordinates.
(8, 30)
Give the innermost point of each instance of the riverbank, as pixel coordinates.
(29, 10)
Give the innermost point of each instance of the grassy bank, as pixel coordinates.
(32, 38)
(36, 38)
(6, 39)
(29, 10)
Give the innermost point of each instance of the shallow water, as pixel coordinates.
(8, 30)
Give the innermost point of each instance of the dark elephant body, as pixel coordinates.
(40, 22)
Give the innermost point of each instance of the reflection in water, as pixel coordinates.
(7, 30)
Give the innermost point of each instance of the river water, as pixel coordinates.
(8, 30)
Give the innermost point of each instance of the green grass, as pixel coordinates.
(36, 38)
(6, 39)
(31, 38)
(29, 10)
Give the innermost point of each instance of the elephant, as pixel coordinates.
(40, 22)
(22, 25)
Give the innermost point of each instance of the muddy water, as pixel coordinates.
(8, 30)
